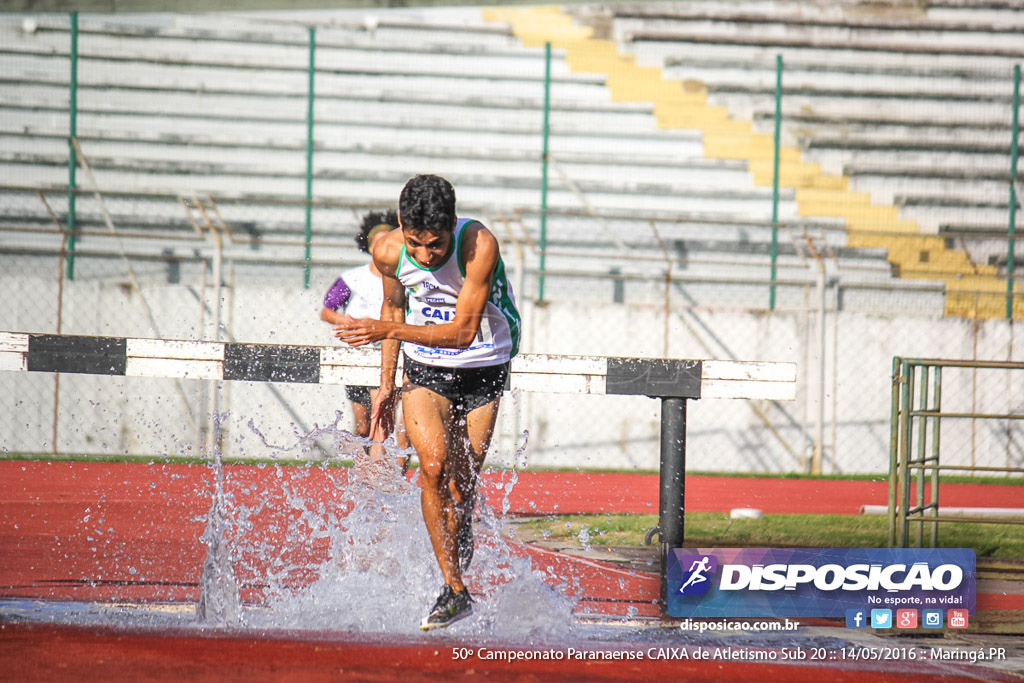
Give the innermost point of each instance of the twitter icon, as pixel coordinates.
(881, 618)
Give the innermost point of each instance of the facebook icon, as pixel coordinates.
(856, 618)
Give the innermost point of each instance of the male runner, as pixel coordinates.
(447, 297)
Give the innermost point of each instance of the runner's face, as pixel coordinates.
(426, 247)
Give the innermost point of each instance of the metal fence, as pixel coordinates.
(202, 177)
(210, 287)
(942, 409)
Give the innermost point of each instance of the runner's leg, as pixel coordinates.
(362, 419)
(472, 433)
(472, 439)
(428, 423)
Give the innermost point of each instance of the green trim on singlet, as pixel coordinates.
(458, 246)
(501, 299)
(499, 295)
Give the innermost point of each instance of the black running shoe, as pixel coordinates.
(465, 544)
(449, 608)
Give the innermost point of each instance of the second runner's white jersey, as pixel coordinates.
(367, 292)
(431, 295)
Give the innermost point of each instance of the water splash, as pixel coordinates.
(584, 538)
(219, 601)
(319, 546)
(379, 574)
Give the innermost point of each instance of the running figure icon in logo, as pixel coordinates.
(700, 566)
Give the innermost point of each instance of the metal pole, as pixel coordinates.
(936, 433)
(72, 136)
(60, 329)
(671, 502)
(894, 431)
(906, 399)
(819, 428)
(1013, 192)
(544, 172)
(215, 434)
(775, 179)
(922, 443)
(309, 155)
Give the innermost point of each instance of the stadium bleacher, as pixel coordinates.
(660, 143)
(909, 102)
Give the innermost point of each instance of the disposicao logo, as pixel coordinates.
(825, 582)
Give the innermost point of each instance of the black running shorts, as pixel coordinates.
(359, 395)
(466, 388)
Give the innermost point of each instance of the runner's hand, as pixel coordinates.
(359, 331)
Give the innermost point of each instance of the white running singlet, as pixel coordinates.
(367, 292)
(431, 294)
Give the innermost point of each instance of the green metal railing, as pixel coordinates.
(72, 137)
(544, 210)
(775, 180)
(544, 172)
(1011, 230)
(310, 101)
(915, 448)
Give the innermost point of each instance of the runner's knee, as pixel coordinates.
(432, 471)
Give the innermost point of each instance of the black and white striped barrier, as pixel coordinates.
(672, 381)
(132, 357)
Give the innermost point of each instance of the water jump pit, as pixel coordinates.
(160, 571)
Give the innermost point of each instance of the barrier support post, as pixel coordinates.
(671, 499)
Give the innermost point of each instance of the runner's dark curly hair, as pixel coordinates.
(371, 221)
(427, 202)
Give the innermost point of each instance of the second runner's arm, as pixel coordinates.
(382, 413)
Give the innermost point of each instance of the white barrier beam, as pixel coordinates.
(339, 365)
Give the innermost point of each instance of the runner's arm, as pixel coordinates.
(480, 254)
(336, 297)
(392, 311)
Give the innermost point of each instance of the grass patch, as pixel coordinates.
(717, 530)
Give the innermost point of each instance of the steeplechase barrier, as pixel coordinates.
(673, 381)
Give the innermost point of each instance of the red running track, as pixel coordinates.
(584, 492)
(85, 530)
(106, 531)
(535, 493)
(66, 653)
